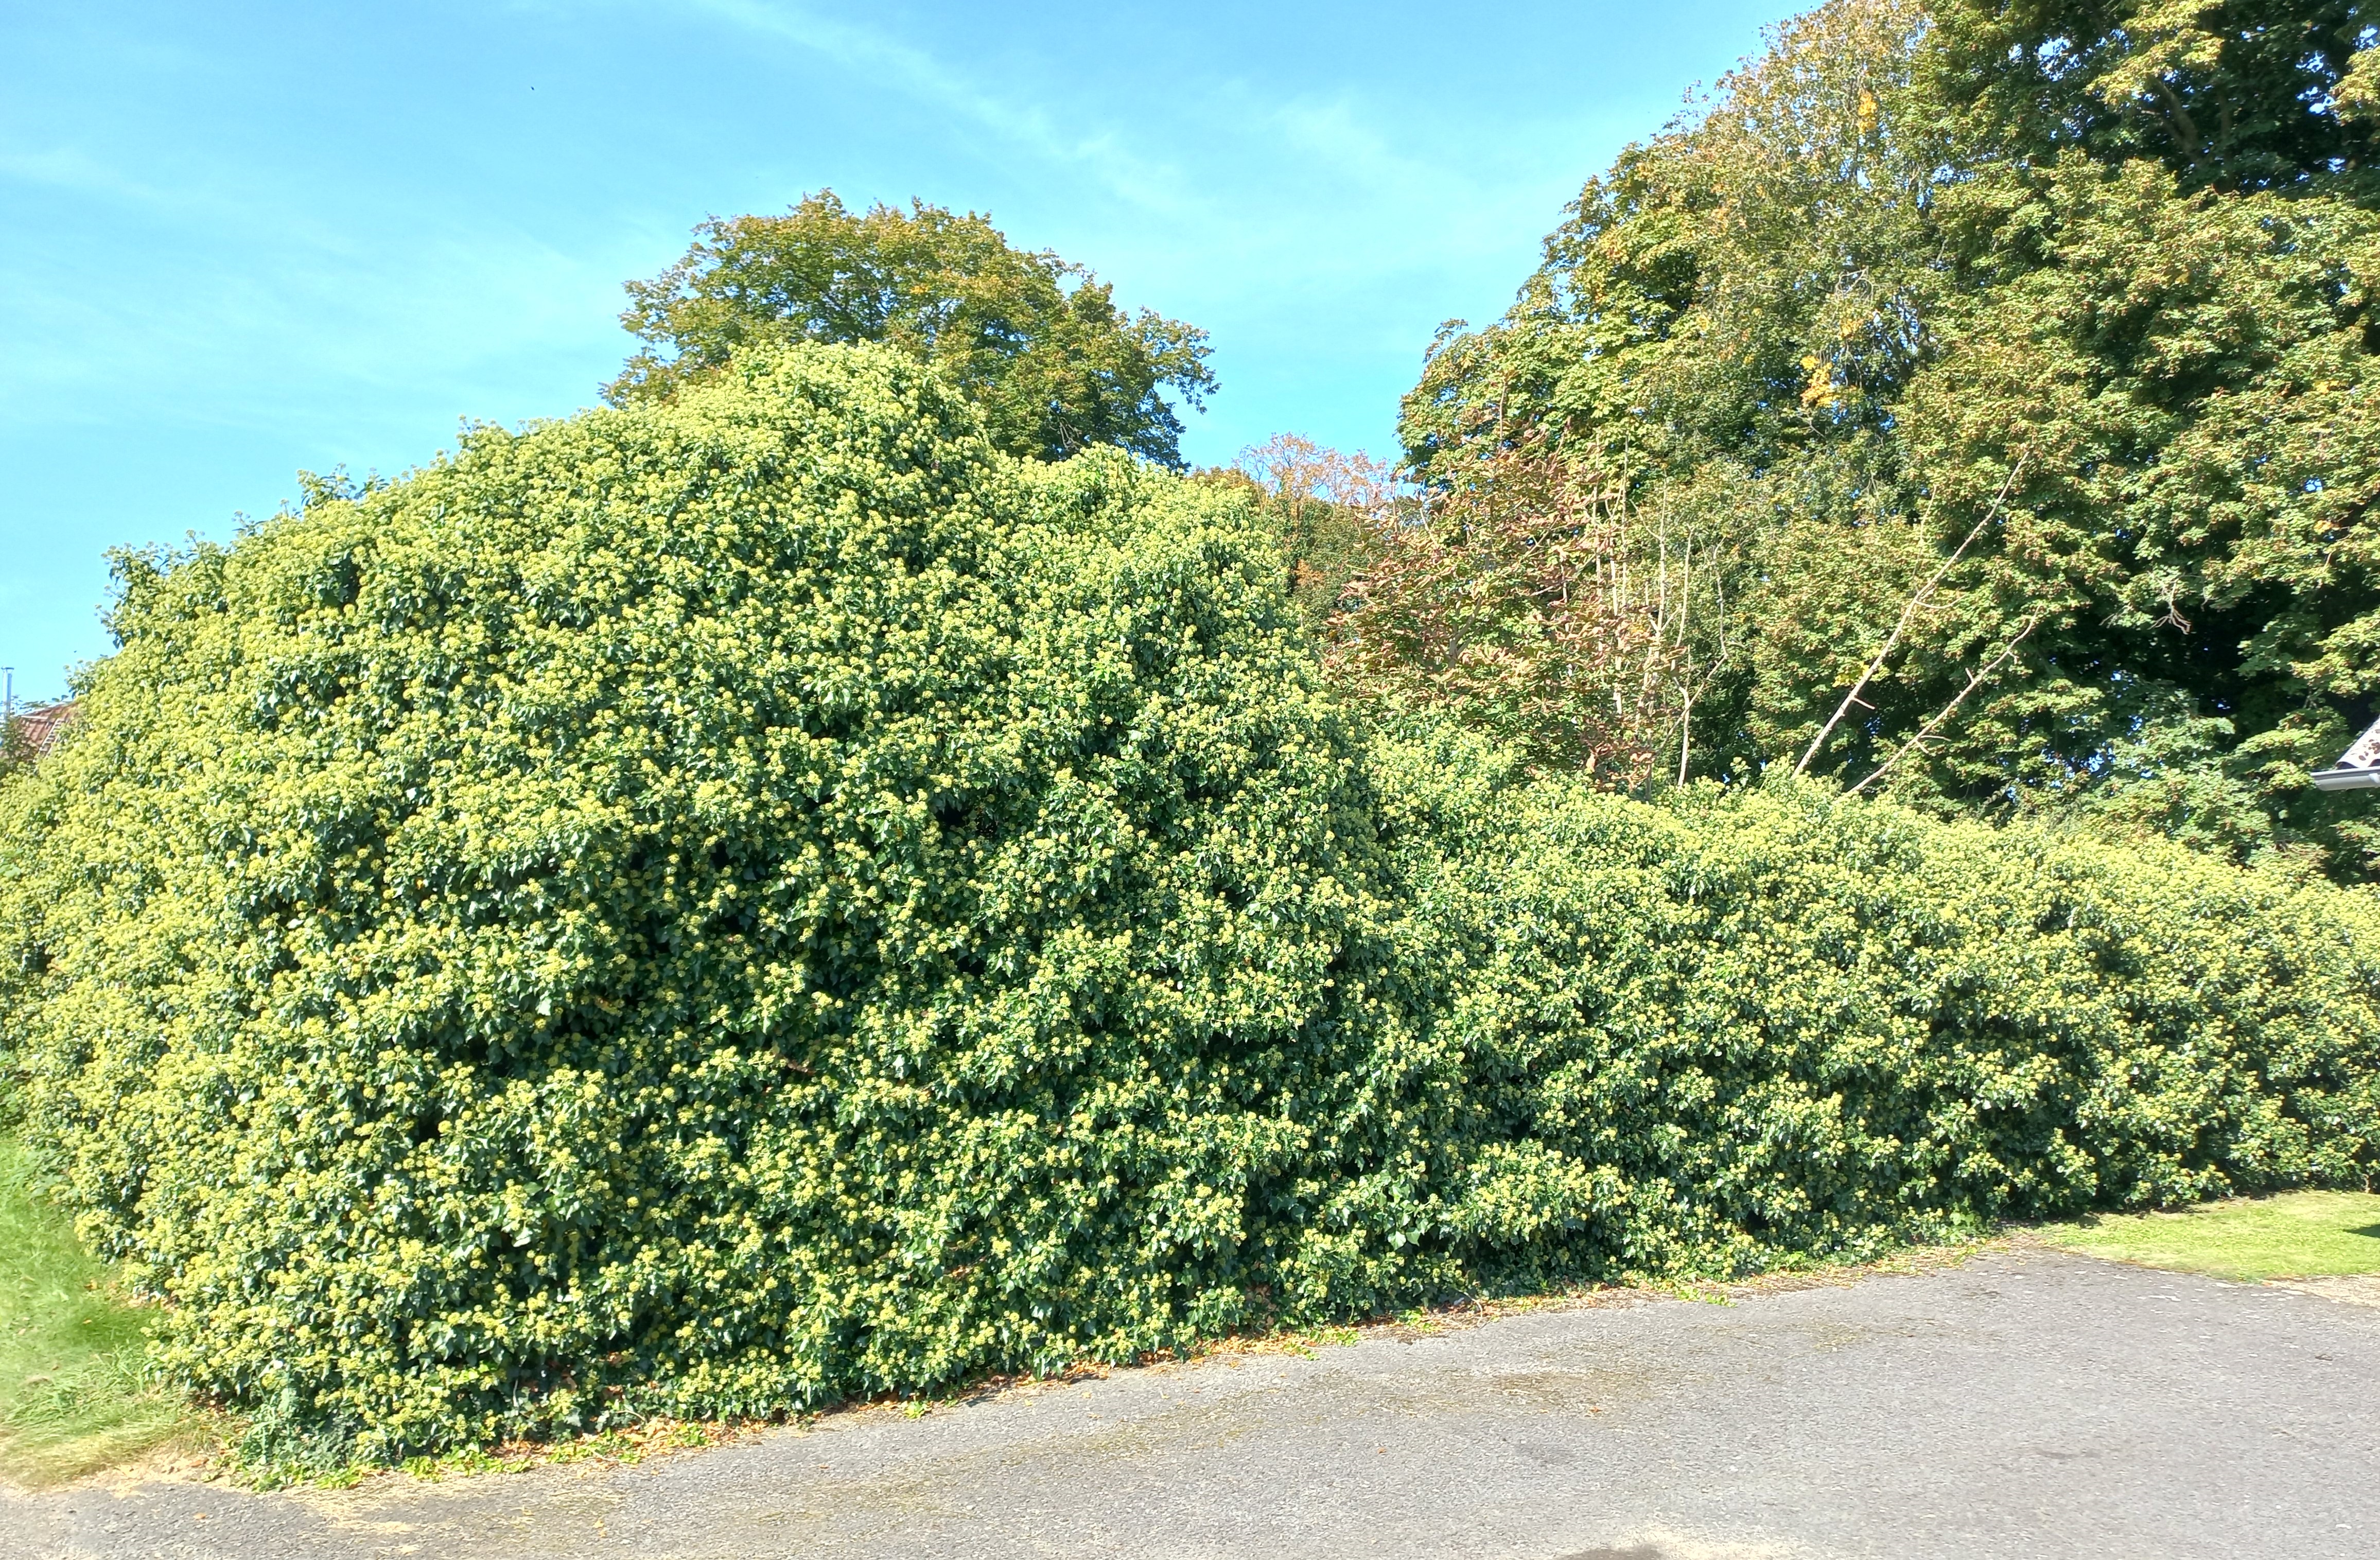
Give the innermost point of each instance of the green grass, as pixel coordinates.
(2297, 1235)
(74, 1395)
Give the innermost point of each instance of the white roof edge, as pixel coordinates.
(2358, 768)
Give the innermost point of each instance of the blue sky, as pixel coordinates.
(240, 240)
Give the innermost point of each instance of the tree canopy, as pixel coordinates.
(2228, 94)
(1037, 342)
(2065, 309)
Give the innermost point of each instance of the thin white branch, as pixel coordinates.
(1916, 602)
(1931, 726)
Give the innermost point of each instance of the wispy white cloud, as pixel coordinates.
(74, 171)
(1324, 188)
(1155, 185)
(271, 302)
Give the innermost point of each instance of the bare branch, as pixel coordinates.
(1931, 726)
(1916, 602)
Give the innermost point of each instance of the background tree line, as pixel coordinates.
(1971, 400)
(2007, 365)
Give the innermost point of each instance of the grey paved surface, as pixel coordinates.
(2031, 1403)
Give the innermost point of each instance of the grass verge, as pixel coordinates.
(2295, 1234)
(75, 1392)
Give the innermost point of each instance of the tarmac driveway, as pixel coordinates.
(2026, 1404)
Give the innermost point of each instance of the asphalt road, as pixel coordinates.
(2027, 1404)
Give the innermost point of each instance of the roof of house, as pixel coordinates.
(43, 724)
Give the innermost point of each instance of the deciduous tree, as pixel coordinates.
(1037, 342)
(1902, 256)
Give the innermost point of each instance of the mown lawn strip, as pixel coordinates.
(2295, 1234)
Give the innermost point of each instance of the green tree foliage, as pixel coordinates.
(2187, 383)
(1751, 280)
(1719, 334)
(1876, 311)
(749, 898)
(1036, 341)
(2233, 94)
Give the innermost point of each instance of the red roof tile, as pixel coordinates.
(43, 724)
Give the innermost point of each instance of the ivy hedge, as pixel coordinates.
(723, 905)
(1750, 1022)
